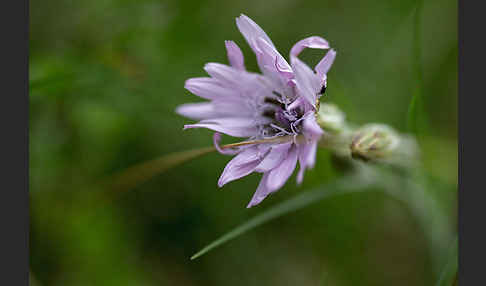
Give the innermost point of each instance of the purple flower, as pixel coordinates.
(275, 110)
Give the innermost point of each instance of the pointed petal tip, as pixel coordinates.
(220, 183)
(222, 180)
(186, 83)
(235, 55)
(254, 202)
(243, 16)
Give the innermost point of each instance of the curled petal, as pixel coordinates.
(313, 42)
(235, 56)
(216, 140)
(325, 64)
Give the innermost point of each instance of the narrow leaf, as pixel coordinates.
(349, 184)
(448, 276)
(415, 109)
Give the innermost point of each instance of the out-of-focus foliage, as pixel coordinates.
(105, 78)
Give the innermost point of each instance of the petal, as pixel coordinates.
(239, 81)
(216, 140)
(261, 192)
(274, 157)
(272, 58)
(311, 129)
(223, 73)
(236, 126)
(201, 110)
(313, 42)
(235, 56)
(241, 165)
(208, 88)
(279, 175)
(325, 64)
(307, 158)
(251, 31)
(307, 82)
(234, 106)
(273, 64)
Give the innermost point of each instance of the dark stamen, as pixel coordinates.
(273, 101)
(269, 113)
(323, 89)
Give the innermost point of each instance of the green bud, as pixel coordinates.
(331, 118)
(374, 142)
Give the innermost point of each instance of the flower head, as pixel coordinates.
(281, 103)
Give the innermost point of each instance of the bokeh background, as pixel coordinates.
(105, 78)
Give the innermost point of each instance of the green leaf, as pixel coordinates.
(349, 184)
(448, 276)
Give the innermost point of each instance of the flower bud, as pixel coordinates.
(373, 142)
(331, 118)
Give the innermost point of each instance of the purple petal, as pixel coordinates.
(235, 56)
(251, 31)
(272, 63)
(217, 109)
(236, 127)
(223, 73)
(201, 110)
(216, 140)
(278, 176)
(307, 158)
(311, 129)
(313, 42)
(274, 157)
(208, 88)
(285, 70)
(307, 82)
(239, 81)
(234, 106)
(297, 103)
(261, 192)
(325, 64)
(241, 165)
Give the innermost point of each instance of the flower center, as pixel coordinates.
(285, 121)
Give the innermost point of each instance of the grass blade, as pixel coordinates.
(415, 109)
(348, 184)
(448, 276)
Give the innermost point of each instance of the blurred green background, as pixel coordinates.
(105, 78)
